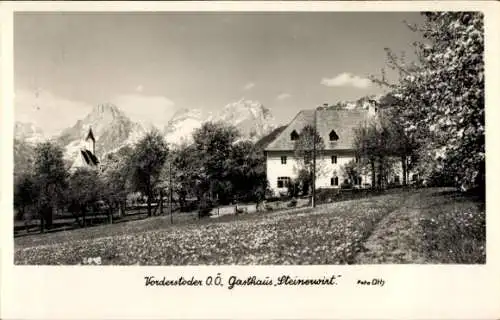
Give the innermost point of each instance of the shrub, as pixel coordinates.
(241, 210)
(272, 199)
(393, 185)
(292, 203)
(189, 206)
(326, 195)
(346, 186)
(205, 209)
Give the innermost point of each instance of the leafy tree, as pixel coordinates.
(84, 187)
(304, 150)
(441, 96)
(146, 164)
(180, 175)
(116, 178)
(303, 182)
(50, 180)
(213, 145)
(400, 143)
(248, 171)
(25, 193)
(351, 170)
(374, 149)
(186, 172)
(366, 144)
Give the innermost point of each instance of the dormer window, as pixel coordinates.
(333, 136)
(294, 135)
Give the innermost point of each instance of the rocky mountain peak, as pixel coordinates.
(182, 124)
(185, 113)
(106, 111)
(251, 117)
(111, 128)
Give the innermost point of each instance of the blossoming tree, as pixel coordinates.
(441, 96)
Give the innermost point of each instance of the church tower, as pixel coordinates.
(86, 158)
(90, 141)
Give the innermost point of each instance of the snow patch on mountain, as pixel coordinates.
(252, 119)
(183, 123)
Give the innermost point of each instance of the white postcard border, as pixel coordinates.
(112, 292)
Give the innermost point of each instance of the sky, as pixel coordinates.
(152, 64)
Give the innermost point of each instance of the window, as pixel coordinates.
(334, 159)
(283, 160)
(333, 136)
(358, 181)
(396, 179)
(414, 177)
(283, 182)
(334, 181)
(294, 135)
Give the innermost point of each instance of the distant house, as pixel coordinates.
(336, 128)
(86, 157)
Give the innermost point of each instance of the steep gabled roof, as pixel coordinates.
(343, 121)
(89, 157)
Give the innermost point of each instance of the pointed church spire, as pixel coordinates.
(90, 136)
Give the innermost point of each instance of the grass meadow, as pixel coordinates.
(411, 226)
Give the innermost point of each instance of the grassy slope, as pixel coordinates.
(375, 230)
(433, 227)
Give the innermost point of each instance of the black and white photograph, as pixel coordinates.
(249, 138)
(249, 159)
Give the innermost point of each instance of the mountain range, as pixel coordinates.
(113, 129)
(361, 103)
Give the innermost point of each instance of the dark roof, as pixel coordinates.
(343, 121)
(90, 135)
(89, 157)
(263, 142)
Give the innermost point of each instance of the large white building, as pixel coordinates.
(336, 128)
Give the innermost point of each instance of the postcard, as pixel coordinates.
(199, 160)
